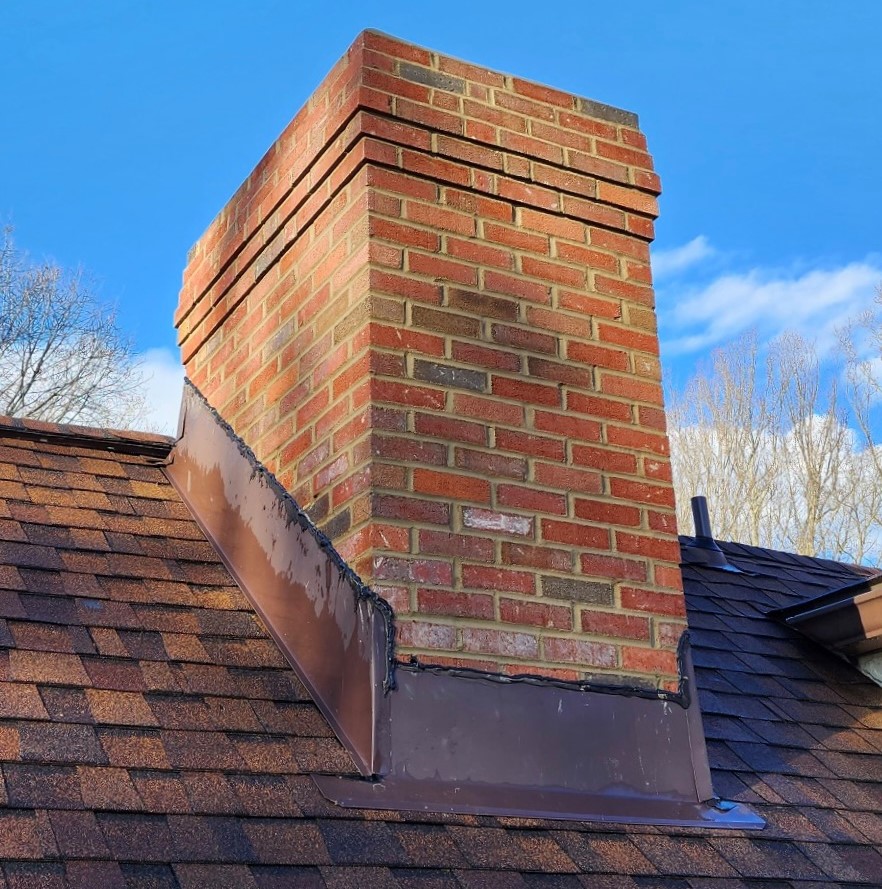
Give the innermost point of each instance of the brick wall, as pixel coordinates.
(429, 312)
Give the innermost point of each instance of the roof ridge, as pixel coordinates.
(127, 441)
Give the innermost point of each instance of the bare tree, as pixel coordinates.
(62, 356)
(770, 446)
(725, 443)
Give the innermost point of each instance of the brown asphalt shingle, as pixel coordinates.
(151, 735)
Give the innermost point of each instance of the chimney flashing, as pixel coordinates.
(435, 738)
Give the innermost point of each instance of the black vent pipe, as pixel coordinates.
(703, 549)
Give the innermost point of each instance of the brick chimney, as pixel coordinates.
(429, 312)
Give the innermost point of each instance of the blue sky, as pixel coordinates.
(127, 125)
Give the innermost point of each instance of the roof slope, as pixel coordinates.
(151, 735)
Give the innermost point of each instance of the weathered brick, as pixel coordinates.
(449, 375)
(535, 614)
(507, 644)
(574, 590)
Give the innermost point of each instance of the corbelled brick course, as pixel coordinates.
(429, 312)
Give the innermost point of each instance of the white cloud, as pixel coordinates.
(666, 263)
(814, 303)
(163, 385)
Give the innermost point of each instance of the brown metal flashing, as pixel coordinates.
(435, 739)
(332, 630)
(478, 746)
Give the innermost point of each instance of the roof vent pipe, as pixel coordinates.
(701, 517)
(703, 549)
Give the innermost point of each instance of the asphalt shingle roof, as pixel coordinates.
(151, 735)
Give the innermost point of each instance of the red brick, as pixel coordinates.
(520, 390)
(475, 251)
(607, 459)
(568, 479)
(560, 372)
(442, 269)
(616, 626)
(531, 499)
(597, 356)
(406, 235)
(629, 198)
(558, 226)
(434, 167)
(451, 485)
(553, 272)
(585, 256)
(478, 204)
(525, 555)
(514, 237)
(408, 449)
(410, 509)
(628, 387)
(531, 445)
(571, 427)
(628, 337)
(407, 393)
(522, 338)
(637, 599)
(604, 512)
(664, 522)
(586, 536)
(630, 156)
(649, 546)
(620, 243)
(494, 359)
(455, 604)
(443, 543)
(652, 417)
(392, 180)
(649, 660)
(400, 285)
(641, 492)
(406, 338)
(595, 406)
(535, 614)
(657, 469)
(668, 576)
(496, 465)
(552, 319)
(486, 577)
(442, 426)
(488, 409)
(438, 217)
(498, 282)
(628, 437)
(669, 634)
(590, 304)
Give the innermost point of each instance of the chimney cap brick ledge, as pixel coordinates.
(583, 104)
